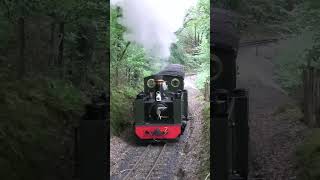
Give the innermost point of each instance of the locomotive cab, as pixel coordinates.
(160, 112)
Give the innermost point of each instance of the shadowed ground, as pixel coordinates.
(273, 140)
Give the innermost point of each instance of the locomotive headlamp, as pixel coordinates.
(158, 96)
(175, 82)
(151, 83)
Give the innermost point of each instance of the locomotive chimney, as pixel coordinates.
(159, 88)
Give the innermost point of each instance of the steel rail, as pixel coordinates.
(155, 163)
(137, 163)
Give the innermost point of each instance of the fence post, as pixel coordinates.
(305, 95)
(312, 121)
(208, 91)
(317, 98)
(205, 91)
(311, 96)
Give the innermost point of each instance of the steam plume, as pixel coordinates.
(153, 23)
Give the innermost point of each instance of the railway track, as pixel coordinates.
(143, 163)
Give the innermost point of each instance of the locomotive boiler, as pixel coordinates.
(161, 110)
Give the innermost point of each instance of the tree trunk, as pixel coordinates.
(21, 62)
(129, 76)
(117, 75)
(51, 59)
(61, 48)
(87, 46)
(195, 36)
(124, 51)
(290, 5)
(119, 60)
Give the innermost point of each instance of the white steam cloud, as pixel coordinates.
(153, 23)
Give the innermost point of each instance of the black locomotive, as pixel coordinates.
(161, 110)
(229, 127)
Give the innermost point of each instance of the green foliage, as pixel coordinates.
(65, 96)
(38, 114)
(205, 152)
(291, 58)
(308, 156)
(194, 42)
(129, 66)
(204, 70)
(129, 62)
(36, 128)
(5, 28)
(178, 56)
(302, 48)
(121, 109)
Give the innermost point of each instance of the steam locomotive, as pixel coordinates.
(229, 104)
(161, 110)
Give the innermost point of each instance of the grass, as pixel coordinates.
(289, 111)
(205, 152)
(308, 156)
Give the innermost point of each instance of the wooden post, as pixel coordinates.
(257, 51)
(208, 94)
(311, 97)
(318, 98)
(312, 122)
(205, 91)
(305, 95)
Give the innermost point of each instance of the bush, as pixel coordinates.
(205, 152)
(121, 114)
(37, 119)
(308, 156)
(291, 59)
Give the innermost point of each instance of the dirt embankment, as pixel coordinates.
(273, 139)
(180, 159)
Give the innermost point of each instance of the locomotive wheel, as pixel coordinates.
(136, 140)
(183, 126)
(139, 142)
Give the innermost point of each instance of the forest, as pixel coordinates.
(54, 58)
